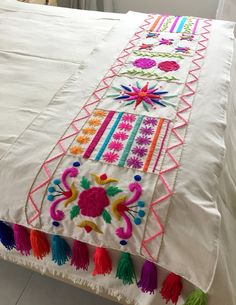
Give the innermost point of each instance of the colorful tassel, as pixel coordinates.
(22, 239)
(7, 236)
(80, 255)
(197, 297)
(171, 288)
(125, 269)
(61, 251)
(102, 262)
(148, 280)
(39, 243)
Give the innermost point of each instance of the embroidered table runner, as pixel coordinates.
(122, 167)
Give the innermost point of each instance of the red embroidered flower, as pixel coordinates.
(92, 201)
(168, 66)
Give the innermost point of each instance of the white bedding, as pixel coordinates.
(48, 69)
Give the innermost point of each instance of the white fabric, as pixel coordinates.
(202, 204)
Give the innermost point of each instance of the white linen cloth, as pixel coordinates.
(184, 200)
(226, 10)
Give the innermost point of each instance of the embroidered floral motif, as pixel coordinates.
(82, 139)
(76, 150)
(188, 37)
(115, 145)
(99, 113)
(94, 122)
(89, 130)
(146, 130)
(152, 35)
(120, 136)
(139, 151)
(150, 121)
(125, 126)
(184, 50)
(167, 42)
(145, 46)
(94, 201)
(110, 157)
(128, 117)
(168, 66)
(146, 95)
(135, 162)
(142, 140)
(144, 63)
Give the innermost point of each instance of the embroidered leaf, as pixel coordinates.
(74, 212)
(158, 54)
(106, 216)
(145, 107)
(85, 183)
(113, 190)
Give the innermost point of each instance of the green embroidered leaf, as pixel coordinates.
(85, 183)
(145, 107)
(157, 54)
(149, 74)
(106, 216)
(74, 212)
(113, 190)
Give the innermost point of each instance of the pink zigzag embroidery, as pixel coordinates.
(184, 123)
(103, 85)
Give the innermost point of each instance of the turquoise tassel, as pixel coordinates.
(61, 251)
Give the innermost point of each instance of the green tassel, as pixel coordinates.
(125, 269)
(197, 297)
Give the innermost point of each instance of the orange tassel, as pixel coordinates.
(40, 244)
(102, 262)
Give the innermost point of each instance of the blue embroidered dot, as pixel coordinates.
(57, 181)
(56, 224)
(137, 178)
(141, 204)
(76, 164)
(50, 197)
(51, 189)
(141, 213)
(123, 242)
(137, 221)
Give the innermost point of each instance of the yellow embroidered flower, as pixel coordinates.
(99, 113)
(76, 150)
(94, 122)
(83, 139)
(89, 131)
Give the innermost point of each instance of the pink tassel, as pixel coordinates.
(80, 255)
(102, 262)
(22, 239)
(171, 288)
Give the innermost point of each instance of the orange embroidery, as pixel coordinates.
(99, 113)
(89, 131)
(83, 139)
(76, 150)
(94, 122)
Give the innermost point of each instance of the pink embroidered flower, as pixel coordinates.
(134, 162)
(125, 126)
(120, 136)
(128, 118)
(144, 63)
(110, 157)
(139, 151)
(142, 140)
(115, 145)
(146, 130)
(150, 121)
(168, 66)
(92, 201)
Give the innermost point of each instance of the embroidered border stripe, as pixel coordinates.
(99, 134)
(195, 26)
(153, 145)
(102, 149)
(181, 25)
(161, 23)
(174, 24)
(155, 23)
(161, 148)
(130, 141)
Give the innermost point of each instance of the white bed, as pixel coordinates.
(42, 64)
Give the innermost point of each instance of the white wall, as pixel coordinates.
(201, 8)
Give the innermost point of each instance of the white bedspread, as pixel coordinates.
(44, 69)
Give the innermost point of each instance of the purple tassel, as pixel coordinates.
(22, 239)
(6, 236)
(148, 280)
